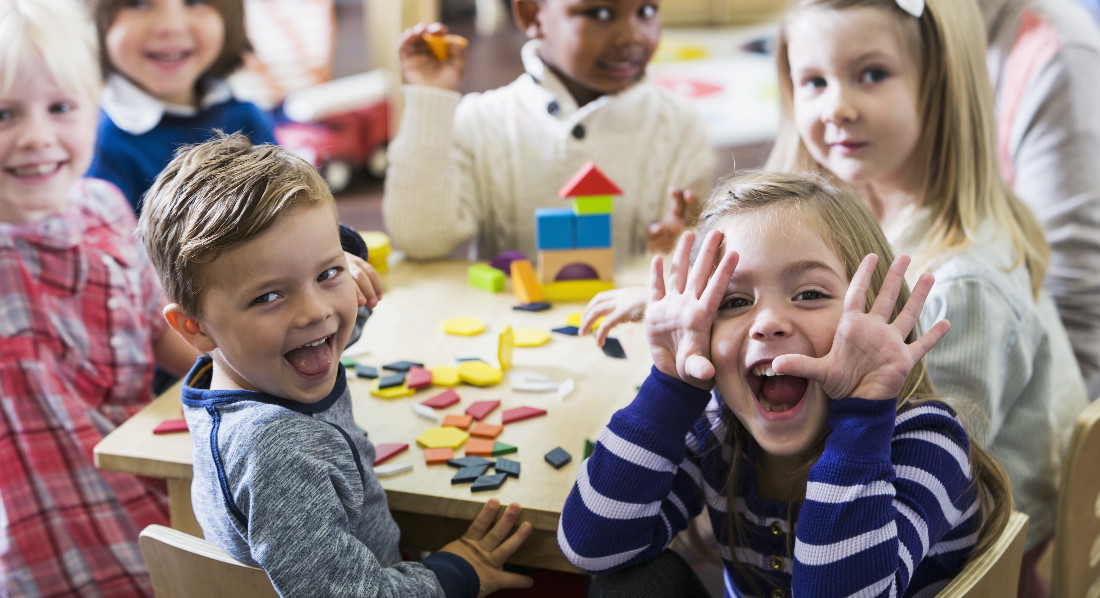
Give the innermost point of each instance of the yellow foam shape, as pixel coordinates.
(574, 319)
(574, 290)
(444, 375)
(393, 392)
(505, 347)
(531, 337)
(670, 51)
(378, 249)
(463, 326)
(479, 373)
(442, 437)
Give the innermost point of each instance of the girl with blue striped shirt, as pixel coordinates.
(788, 389)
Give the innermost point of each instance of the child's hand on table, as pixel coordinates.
(616, 306)
(486, 545)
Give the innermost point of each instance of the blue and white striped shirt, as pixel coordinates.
(890, 507)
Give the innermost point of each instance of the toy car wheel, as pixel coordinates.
(377, 162)
(338, 174)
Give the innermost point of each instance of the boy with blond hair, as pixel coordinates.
(246, 242)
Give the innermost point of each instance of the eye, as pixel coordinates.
(265, 298)
(197, 2)
(810, 296)
(814, 83)
(649, 11)
(329, 274)
(873, 75)
(735, 303)
(61, 107)
(135, 4)
(600, 13)
(6, 114)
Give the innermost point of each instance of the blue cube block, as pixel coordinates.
(555, 228)
(593, 230)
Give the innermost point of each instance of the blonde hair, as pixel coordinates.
(850, 232)
(962, 185)
(214, 196)
(61, 32)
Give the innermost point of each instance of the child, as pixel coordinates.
(788, 387)
(481, 166)
(897, 101)
(166, 62)
(80, 323)
(283, 476)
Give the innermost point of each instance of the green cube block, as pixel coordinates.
(592, 204)
(485, 277)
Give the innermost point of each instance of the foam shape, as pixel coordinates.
(402, 366)
(463, 326)
(505, 347)
(592, 230)
(425, 412)
(391, 380)
(503, 261)
(499, 448)
(613, 348)
(479, 373)
(485, 277)
(435, 456)
(568, 330)
(378, 249)
(565, 388)
(445, 375)
(171, 425)
(468, 461)
(392, 469)
(480, 447)
(574, 319)
(418, 377)
(442, 400)
(485, 430)
(531, 337)
(488, 482)
(393, 392)
(469, 474)
(443, 436)
(575, 290)
(507, 467)
(387, 450)
(458, 421)
(555, 228)
(366, 371)
(525, 285)
(589, 446)
(481, 409)
(558, 458)
(536, 306)
(589, 180)
(593, 204)
(520, 413)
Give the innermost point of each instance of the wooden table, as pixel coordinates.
(407, 326)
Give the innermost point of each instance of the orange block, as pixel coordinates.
(525, 286)
(482, 447)
(435, 456)
(486, 430)
(458, 421)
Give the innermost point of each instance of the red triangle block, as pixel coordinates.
(444, 399)
(418, 377)
(171, 425)
(481, 409)
(589, 180)
(388, 450)
(520, 413)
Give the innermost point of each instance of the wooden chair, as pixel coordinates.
(183, 566)
(996, 572)
(1076, 551)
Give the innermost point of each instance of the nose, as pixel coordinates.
(169, 16)
(312, 309)
(839, 105)
(769, 322)
(35, 132)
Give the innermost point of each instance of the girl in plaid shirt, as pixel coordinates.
(80, 322)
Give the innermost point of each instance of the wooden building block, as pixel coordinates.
(575, 290)
(555, 228)
(602, 260)
(593, 204)
(593, 230)
(525, 286)
(485, 277)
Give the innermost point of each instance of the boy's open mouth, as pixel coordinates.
(312, 359)
(774, 392)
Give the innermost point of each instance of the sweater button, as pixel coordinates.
(777, 593)
(553, 108)
(776, 529)
(578, 131)
(776, 563)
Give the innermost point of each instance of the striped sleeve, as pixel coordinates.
(880, 499)
(640, 487)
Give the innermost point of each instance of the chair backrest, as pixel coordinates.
(1076, 553)
(996, 572)
(183, 566)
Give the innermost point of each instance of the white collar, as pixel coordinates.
(135, 111)
(548, 80)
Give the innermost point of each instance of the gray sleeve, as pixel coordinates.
(301, 506)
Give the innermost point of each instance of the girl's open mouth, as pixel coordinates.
(776, 393)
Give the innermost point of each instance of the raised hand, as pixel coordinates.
(616, 306)
(681, 312)
(869, 358)
(486, 545)
(368, 283)
(660, 237)
(420, 67)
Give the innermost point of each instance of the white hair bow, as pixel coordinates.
(913, 7)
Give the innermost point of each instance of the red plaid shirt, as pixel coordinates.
(79, 309)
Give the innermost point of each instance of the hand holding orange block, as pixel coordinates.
(439, 44)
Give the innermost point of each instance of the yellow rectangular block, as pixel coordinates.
(551, 261)
(574, 290)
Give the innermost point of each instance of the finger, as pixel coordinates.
(719, 281)
(480, 526)
(508, 580)
(677, 276)
(598, 306)
(703, 268)
(610, 321)
(856, 297)
(698, 367)
(656, 279)
(512, 543)
(919, 348)
(887, 298)
(910, 312)
(802, 366)
(375, 283)
(503, 526)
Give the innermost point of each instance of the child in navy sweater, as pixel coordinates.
(788, 387)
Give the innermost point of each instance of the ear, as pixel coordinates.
(525, 13)
(189, 328)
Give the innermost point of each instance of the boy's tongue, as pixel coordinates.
(783, 390)
(311, 361)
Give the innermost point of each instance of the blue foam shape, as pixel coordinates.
(593, 231)
(555, 228)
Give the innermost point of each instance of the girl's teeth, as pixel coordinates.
(765, 371)
(774, 408)
(36, 170)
